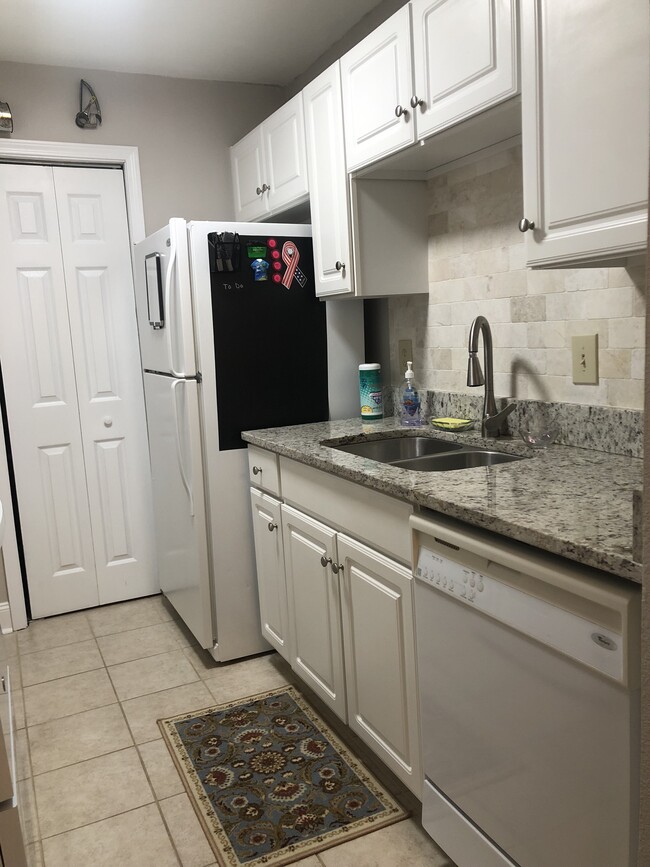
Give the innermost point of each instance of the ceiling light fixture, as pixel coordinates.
(90, 115)
(6, 118)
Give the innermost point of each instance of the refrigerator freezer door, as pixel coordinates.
(179, 502)
(164, 301)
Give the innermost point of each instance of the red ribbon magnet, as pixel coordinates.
(290, 257)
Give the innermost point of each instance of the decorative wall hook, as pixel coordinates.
(90, 115)
(6, 118)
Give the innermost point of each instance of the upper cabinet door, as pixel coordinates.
(249, 185)
(465, 57)
(283, 137)
(585, 72)
(328, 184)
(377, 79)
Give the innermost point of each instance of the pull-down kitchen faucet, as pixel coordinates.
(492, 419)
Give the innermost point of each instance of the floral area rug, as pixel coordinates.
(270, 781)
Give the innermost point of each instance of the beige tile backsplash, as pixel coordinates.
(477, 265)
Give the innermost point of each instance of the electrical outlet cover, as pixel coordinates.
(584, 353)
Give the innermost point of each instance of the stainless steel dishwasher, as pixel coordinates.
(528, 671)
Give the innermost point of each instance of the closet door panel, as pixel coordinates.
(97, 264)
(41, 396)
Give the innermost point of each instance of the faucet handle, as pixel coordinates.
(492, 423)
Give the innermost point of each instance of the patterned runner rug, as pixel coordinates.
(270, 781)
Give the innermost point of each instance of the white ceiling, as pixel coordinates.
(261, 41)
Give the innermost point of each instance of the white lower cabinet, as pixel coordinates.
(339, 610)
(314, 607)
(379, 652)
(271, 584)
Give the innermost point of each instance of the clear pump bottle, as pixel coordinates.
(409, 400)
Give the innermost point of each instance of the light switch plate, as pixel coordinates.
(404, 354)
(584, 353)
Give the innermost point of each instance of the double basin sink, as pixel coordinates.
(426, 454)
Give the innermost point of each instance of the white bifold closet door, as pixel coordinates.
(73, 387)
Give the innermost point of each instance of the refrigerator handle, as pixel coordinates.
(179, 451)
(168, 313)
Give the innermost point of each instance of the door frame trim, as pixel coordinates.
(61, 153)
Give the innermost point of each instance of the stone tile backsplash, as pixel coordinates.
(477, 265)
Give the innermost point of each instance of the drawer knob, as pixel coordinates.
(339, 266)
(415, 102)
(272, 526)
(400, 110)
(257, 471)
(258, 190)
(337, 567)
(525, 225)
(325, 560)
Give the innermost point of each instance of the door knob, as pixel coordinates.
(325, 560)
(400, 110)
(525, 225)
(257, 471)
(415, 102)
(108, 421)
(272, 526)
(339, 266)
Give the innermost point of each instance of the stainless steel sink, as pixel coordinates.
(461, 460)
(425, 454)
(393, 449)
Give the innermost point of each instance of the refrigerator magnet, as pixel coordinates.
(260, 268)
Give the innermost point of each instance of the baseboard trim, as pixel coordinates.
(5, 618)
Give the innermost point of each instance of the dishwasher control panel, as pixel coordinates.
(564, 630)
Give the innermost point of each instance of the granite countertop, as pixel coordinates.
(570, 501)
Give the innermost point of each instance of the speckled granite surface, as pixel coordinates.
(570, 501)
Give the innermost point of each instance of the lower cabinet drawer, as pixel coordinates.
(263, 470)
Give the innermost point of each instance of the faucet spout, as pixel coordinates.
(475, 375)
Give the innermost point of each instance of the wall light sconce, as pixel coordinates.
(90, 115)
(6, 118)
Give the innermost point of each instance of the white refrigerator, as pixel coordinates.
(232, 338)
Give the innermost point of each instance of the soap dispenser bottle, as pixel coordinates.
(409, 399)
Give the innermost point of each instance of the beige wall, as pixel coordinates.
(183, 128)
(477, 265)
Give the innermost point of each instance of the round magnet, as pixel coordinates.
(275, 254)
(272, 243)
(276, 278)
(277, 265)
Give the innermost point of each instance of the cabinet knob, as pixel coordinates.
(272, 526)
(415, 102)
(340, 266)
(258, 190)
(257, 471)
(400, 110)
(325, 560)
(525, 225)
(337, 567)
(108, 421)
(265, 188)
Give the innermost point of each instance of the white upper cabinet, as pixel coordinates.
(465, 59)
(269, 165)
(377, 79)
(247, 164)
(328, 185)
(432, 65)
(585, 72)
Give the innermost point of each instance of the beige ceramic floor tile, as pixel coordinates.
(122, 616)
(23, 763)
(151, 674)
(28, 812)
(137, 643)
(68, 695)
(181, 632)
(160, 768)
(134, 839)
(142, 713)
(90, 791)
(312, 861)
(403, 843)
(62, 661)
(239, 680)
(54, 632)
(206, 666)
(34, 853)
(187, 834)
(86, 735)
